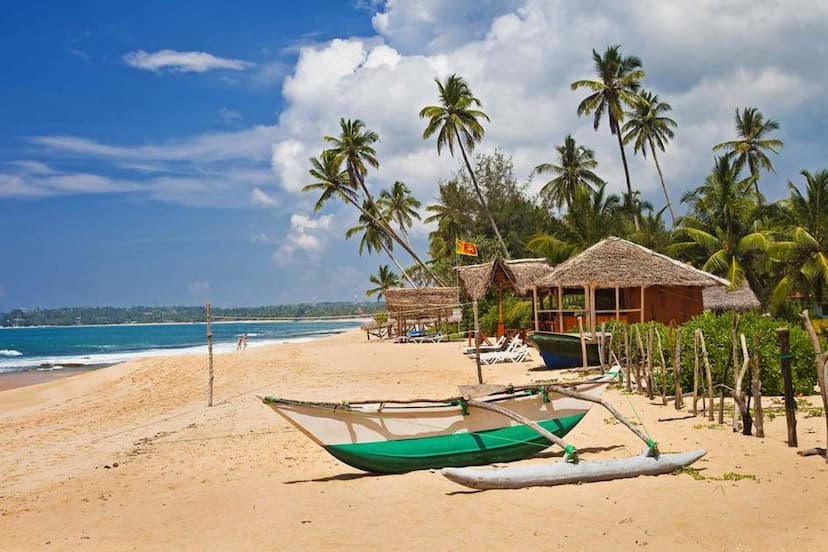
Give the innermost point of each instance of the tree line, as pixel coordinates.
(73, 316)
(730, 229)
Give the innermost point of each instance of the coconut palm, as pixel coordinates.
(648, 126)
(450, 218)
(617, 87)
(334, 182)
(752, 142)
(374, 238)
(574, 170)
(399, 205)
(723, 226)
(456, 120)
(354, 147)
(384, 279)
(803, 255)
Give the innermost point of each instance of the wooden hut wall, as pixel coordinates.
(665, 304)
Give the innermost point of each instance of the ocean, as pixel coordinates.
(58, 347)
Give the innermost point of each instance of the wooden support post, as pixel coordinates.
(663, 370)
(641, 312)
(695, 372)
(584, 363)
(639, 365)
(708, 374)
(535, 307)
(721, 405)
(628, 364)
(756, 389)
(790, 404)
(477, 342)
(679, 400)
(617, 306)
(650, 363)
(209, 354)
(602, 342)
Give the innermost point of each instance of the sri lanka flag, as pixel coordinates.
(466, 248)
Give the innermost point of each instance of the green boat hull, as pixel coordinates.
(460, 449)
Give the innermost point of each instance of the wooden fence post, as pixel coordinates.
(695, 372)
(663, 370)
(756, 389)
(650, 363)
(790, 403)
(209, 354)
(709, 375)
(679, 400)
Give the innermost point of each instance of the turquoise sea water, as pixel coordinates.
(51, 348)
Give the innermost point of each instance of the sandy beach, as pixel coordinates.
(129, 457)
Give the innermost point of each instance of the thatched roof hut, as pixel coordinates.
(719, 298)
(615, 262)
(517, 275)
(616, 279)
(422, 304)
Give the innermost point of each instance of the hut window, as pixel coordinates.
(605, 299)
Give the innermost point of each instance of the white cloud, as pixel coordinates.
(261, 199)
(229, 116)
(306, 235)
(183, 62)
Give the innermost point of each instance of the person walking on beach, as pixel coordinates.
(241, 342)
(244, 341)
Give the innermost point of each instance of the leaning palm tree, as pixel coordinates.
(648, 126)
(385, 279)
(335, 183)
(399, 205)
(374, 238)
(457, 120)
(574, 170)
(750, 147)
(617, 87)
(803, 254)
(354, 147)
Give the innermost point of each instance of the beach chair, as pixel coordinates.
(519, 353)
(436, 338)
(497, 346)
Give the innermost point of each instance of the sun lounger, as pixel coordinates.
(436, 338)
(498, 346)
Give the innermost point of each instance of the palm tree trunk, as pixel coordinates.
(394, 236)
(394, 260)
(614, 125)
(355, 176)
(663, 186)
(482, 200)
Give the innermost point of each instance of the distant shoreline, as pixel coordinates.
(257, 321)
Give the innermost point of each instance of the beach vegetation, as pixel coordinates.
(384, 279)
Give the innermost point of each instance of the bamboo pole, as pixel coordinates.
(650, 363)
(640, 362)
(628, 382)
(584, 363)
(663, 370)
(695, 372)
(209, 354)
(477, 342)
(679, 400)
(709, 375)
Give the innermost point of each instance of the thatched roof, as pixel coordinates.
(421, 303)
(740, 299)
(475, 280)
(615, 262)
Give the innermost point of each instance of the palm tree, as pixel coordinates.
(456, 120)
(723, 226)
(374, 238)
(648, 126)
(618, 86)
(334, 182)
(354, 147)
(804, 255)
(450, 218)
(575, 170)
(384, 280)
(399, 205)
(750, 147)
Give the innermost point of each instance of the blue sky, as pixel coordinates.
(153, 152)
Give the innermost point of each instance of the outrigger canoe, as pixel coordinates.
(403, 436)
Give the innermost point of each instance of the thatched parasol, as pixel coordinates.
(422, 304)
(519, 275)
(741, 299)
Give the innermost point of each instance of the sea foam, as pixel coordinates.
(10, 353)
